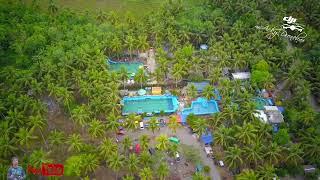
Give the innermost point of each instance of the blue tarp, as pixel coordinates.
(207, 138)
(281, 109)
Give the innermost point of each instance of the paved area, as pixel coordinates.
(186, 138)
(151, 62)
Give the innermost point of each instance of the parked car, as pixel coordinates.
(177, 157)
(221, 164)
(141, 125)
(208, 151)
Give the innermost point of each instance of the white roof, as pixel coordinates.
(241, 75)
(261, 115)
(271, 108)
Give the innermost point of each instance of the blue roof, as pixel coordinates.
(207, 138)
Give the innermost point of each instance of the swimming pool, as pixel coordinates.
(132, 67)
(200, 107)
(149, 104)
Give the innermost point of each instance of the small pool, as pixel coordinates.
(132, 67)
(149, 104)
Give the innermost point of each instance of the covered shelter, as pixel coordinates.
(207, 138)
(274, 114)
(156, 90)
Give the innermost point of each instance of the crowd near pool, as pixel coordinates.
(149, 104)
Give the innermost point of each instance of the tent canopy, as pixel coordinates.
(207, 138)
(156, 90)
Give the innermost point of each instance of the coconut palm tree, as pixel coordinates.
(273, 154)
(254, 153)
(311, 146)
(75, 142)
(146, 174)
(107, 147)
(141, 77)
(89, 163)
(248, 111)
(163, 171)
(131, 121)
(247, 174)
(56, 138)
(246, 134)
(132, 163)
(163, 142)
(144, 141)
(123, 74)
(7, 146)
(15, 118)
(208, 92)
(200, 126)
(266, 172)
(234, 157)
(52, 8)
(145, 159)
(173, 123)
(24, 137)
(198, 176)
(224, 136)
(215, 120)
(142, 43)
(263, 130)
(294, 156)
(113, 124)
(126, 143)
(130, 43)
(192, 91)
(37, 122)
(178, 72)
(153, 124)
(101, 17)
(116, 162)
(38, 157)
(128, 177)
(96, 128)
(81, 115)
(116, 46)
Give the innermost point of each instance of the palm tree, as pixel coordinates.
(192, 91)
(116, 162)
(107, 147)
(56, 138)
(254, 153)
(234, 157)
(163, 142)
(101, 17)
(126, 142)
(173, 123)
(113, 124)
(224, 136)
(24, 137)
(132, 163)
(153, 124)
(15, 118)
(75, 142)
(38, 157)
(37, 122)
(96, 128)
(214, 75)
(116, 46)
(52, 8)
(198, 176)
(141, 77)
(163, 171)
(7, 146)
(177, 72)
(247, 174)
(294, 155)
(145, 159)
(144, 141)
(200, 126)
(208, 92)
(248, 111)
(130, 44)
(142, 43)
(123, 73)
(81, 115)
(215, 120)
(266, 172)
(263, 130)
(131, 121)
(146, 174)
(89, 163)
(273, 154)
(311, 146)
(246, 134)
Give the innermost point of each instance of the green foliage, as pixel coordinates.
(282, 137)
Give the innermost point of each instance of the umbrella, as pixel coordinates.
(142, 92)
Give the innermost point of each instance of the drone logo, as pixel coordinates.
(291, 24)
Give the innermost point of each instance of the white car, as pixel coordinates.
(141, 125)
(177, 157)
(221, 164)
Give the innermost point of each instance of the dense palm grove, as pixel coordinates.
(55, 60)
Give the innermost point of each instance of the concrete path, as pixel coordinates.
(151, 62)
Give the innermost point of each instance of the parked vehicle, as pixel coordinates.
(220, 163)
(208, 151)
(177, 157)
(141, 125)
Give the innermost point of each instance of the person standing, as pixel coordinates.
(16, 172)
